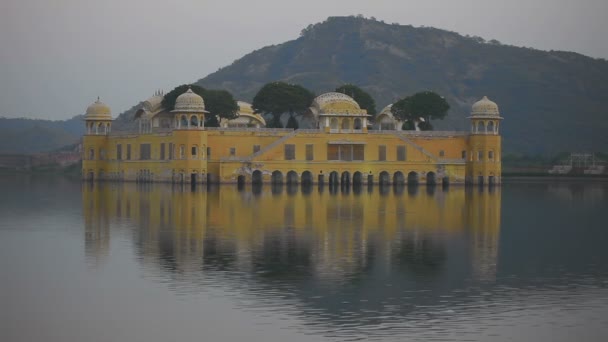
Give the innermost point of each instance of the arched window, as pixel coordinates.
(491, 155)
(357, 123)
(334, 123)
(193, 121)
(481, 127)
(345, 123)
(490, 128)
(184, 121)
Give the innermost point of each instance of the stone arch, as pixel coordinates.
(357, 124)
(384, 178)
(193, 121)
(240, 180)
(333, 178)
(256, 177)
(490, 127)
(357, 178)
(183, 121)
(431, 178)
(412, 178)
(292, 177)
(345, 124)
(306, 178)
(277, 177)
(333, 123)
(398, 178)
(345, 178)
(481, 128)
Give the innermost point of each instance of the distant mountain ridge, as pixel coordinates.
(551, 101)
(24, 136)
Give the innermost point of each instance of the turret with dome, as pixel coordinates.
(98, 118)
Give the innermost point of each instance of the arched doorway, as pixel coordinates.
(412, 178)
(333, 178)
(431, 178)
(345, 178)
(292, 177)
(398, 178)
(240, 180)
(277, 177)
(306, 178)
(384, 178)
(357, 178)
(256, 177)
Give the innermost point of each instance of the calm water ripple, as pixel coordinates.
(108, 262)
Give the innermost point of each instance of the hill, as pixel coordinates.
(552, 101)
(33, 135)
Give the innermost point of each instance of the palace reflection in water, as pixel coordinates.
(337, 250)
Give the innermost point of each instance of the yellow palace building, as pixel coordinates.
(175, 146)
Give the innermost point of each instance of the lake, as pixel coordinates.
(527, 261)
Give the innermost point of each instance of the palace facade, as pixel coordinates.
(342, 148)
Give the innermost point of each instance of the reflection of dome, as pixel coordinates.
(335, 102)
(485, 107)
(189, 102)
(98, 111)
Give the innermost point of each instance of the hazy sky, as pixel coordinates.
(57, 56)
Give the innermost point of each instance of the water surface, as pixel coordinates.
(128, 262)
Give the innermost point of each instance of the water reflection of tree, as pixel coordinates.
(283, 256)
(420, 255)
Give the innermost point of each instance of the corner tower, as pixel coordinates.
(98, 118)
(95, 143)
(484, 144)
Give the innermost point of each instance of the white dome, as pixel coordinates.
(98, 111)
(485, 107)
(189, 102)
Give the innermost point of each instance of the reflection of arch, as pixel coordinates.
(490, 127)
(445, 181)
(412, 178)
(334, 123)
(292, 177)
(357, 178)
(277, 177)
(431, 178)
(384, 178)
(491, 179)
(307, 177)
(333, 178)
(345, 123)
(240, 180)
(345, 178)
(256, 177)
(480, 127)
(357, 124)
(398, 178)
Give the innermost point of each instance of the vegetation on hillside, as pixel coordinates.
(551, 100)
